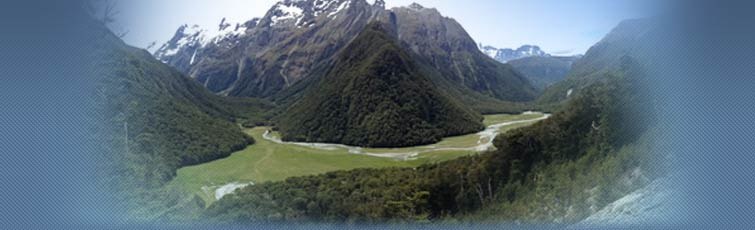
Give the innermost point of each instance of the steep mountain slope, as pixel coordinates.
(506, 55)
(268, 56)
(375, 95)
(448, 48)
(543, 71)
(603, 60)
(155, 120)
(265, 55)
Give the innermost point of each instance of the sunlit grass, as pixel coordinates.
(270, 161)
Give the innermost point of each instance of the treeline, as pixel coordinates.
(599, 128)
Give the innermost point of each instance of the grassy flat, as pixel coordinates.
(270, 161)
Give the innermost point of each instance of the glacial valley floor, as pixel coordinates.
(269, 159)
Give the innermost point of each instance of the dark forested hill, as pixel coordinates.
(155, 120)
(375, 95)
(586, 155)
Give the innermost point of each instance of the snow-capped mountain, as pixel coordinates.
(299, 38)
(506, 55)
(285, 39)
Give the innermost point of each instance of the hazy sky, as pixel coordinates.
(557, 26)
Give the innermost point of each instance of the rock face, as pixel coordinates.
(447, 47)
(375, 95)
(295, 39)
(652, 205)
(265, 55)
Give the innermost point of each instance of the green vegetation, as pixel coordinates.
(594, 142)
(603, 61)
(501, 118)
(268, 161)
(155, 120)
(375, 96)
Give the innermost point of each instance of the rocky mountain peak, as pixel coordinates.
(263, 57)
(506, 55)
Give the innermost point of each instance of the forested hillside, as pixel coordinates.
(375, 96)
(157, 120)
(583, 157)
(628, 40)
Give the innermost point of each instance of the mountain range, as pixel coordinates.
(295, 40)
(353, 72)
(540, 68)
(505, 55)
(544, 71)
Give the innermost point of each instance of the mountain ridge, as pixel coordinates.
(287, 45)
(505, 55)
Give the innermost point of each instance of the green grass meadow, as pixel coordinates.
(269, 161)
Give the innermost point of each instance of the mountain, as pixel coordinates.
(152, 120)
(262, 56)
(269, 56)
(544, 71)
(444, 44)
(375, 95)
(619, 48)
(162, 120)
(506, 55)
(556, 171)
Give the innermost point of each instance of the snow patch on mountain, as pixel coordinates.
(341, 7)
(196, 37)
(506, 55)
(228, 30)
(322, 6)
(284, 11)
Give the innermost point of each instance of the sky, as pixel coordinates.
(557, 26)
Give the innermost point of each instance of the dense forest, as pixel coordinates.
(590, 152)
(376, 96)
(155, 120)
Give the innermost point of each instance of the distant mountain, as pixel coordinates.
(506, 55)
(375, 95)
(295, 40)
(544, 71)
(625, 44)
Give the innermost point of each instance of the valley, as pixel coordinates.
(364, 113)
(270, 159)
